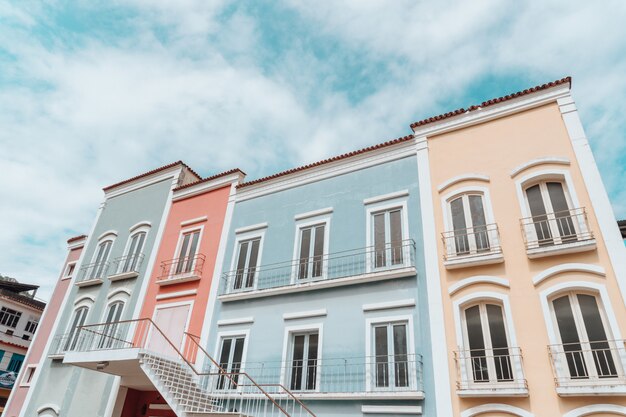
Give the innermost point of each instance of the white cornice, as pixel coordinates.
(194, 221)
(313, 213)
(205, 187)
(464, 177)
(251, 228)
(305, 314)
(540, 161)
(331, 169)
(170, 173)
(233, 322)
(494, 111)
(385, 197)
(77, 244)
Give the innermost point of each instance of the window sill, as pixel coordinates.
(317, 285)
(473, 260)
(494, 391)
(562, 249)
(177, 279)
(368, 395)
(89, 282)
(586, 390)
(123, 275)
(56, 356)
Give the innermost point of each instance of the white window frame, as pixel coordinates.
(245, 333)
(181, 237)
(25, 374)
(82, 302)
(290, 331)
(242, 237)
(369, 349)
(379, 206)
(159, 306)
(299, 226)
(135, 230)
(107, 237)
(66, 273)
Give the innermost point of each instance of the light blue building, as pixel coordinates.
(323, 287)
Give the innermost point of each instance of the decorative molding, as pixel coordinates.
(555, 160)
(495, 408)
(232, 322)
(118, 291)
(305, 314)
(392, 409)
(194, 221)
(570, 267)
(84, 298)
(478, 279)
(410, 302)
(385, 197)
(251, 228)
(177, 294)
(463, 177)
(205, 187)
(52, 407)
(313, 213)
(167, 174)
(144, 223)
(105, 234)
(619, 410)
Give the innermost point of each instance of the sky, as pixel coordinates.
(95, 92)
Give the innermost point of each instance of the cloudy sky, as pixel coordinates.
(94, 92)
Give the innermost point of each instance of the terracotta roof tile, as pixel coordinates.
(75, 238)
(207, 179)
(566, 80)
(154, 171)
(327, 161)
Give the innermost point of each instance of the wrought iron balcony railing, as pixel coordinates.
(490, 370)
(93, 271)
(553, 229)
(127, 264)
(586, 364)
(474, 241)
(351, 263)
(181, 268)
(63, 342)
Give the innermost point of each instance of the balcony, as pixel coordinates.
(490, 373)
(472, 247)
(372, 378)
(395, 260)
(185, 269)
(61, 344)
(557, 233)
(92, 274)
(589, 368)
(126, 267)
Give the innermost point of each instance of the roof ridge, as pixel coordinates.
(212, 177)
(153, 171)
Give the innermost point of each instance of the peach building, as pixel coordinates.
(529, 258)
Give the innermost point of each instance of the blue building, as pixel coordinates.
(323, 287)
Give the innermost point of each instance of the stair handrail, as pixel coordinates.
(196, 341)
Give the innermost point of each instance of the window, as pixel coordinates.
(391, 359)
(9, 317)
(133, 256)
(304, 356)
(15, 363)
(69, 271)
(486, 339)
(247, 258)
(102, 256)
(231, 354)
(469, 224)
(387, 237)
(551, 212)
(585, 337)
(311, 253)
(28, 375)
(187, 253)
(109, 332)
(31, 326)
(78, 321)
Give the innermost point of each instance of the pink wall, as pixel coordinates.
(36, 349)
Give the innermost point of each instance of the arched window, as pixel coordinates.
(554, 218)
(134, 254)
(100, 263)
(80, 315)
(469, 223)
(110, 337)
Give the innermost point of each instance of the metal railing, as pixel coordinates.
(96, 270)
(475, 241)
(128, 263)
(562, 227)
(588, 363)
(332, 266)
(354, 375)
(192, 389)
(186, 266)
(489, 369)
(62, 343)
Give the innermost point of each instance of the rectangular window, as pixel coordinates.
(231, 354)
(28, 375)
(31, 326)
(9, 317)
(391, 358)
(15, 363)
(311, 256)
(187, 253)
(304, 356)
(247, 259)
(69, 271)
(387, 237)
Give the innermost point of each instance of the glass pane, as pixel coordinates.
(241, 264)
(400, 358)
(254, 256)
(395, 230)
(130, 255)
(297, 362)
(499, 343)
(192, 251)
(569, 337)
(479, 224)
(318, 251)
(224, 356)
(235, 366)
(600, 348)
(476, 344)
(138, 250)
(305, 250)
(311, 373)
(562, 214)
(380, 258)
(459, 226)
(183, 253)
(381, 350)
(538, 213)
